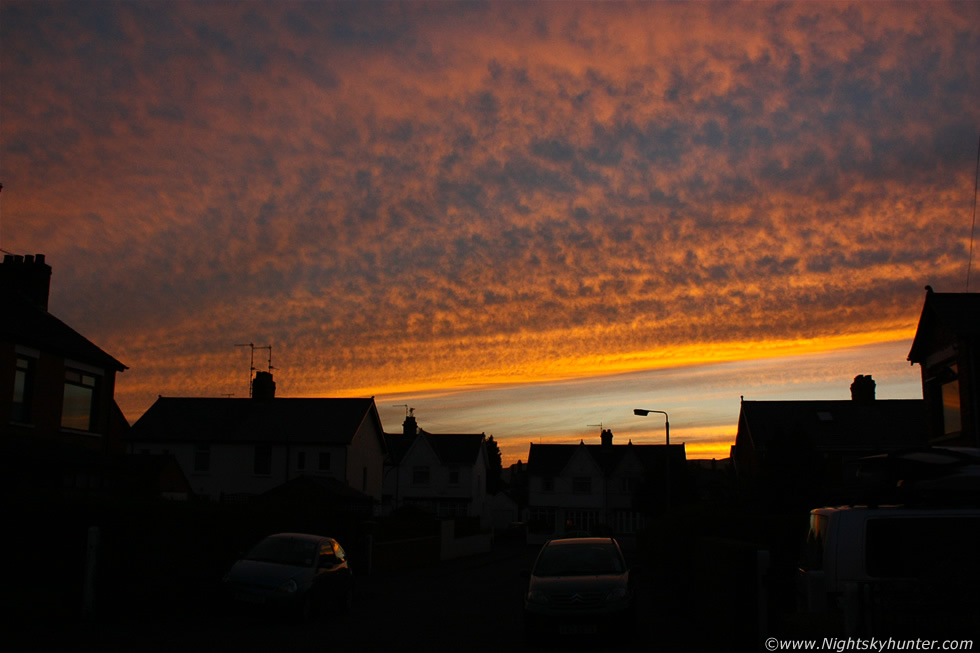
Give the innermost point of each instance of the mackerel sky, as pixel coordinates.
(523, 219)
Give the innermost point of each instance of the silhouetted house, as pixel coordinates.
(947, 347)
(58, 415)
(807, 452)
(445, 474)
(233, 448)
(56, 386)
(600, 488)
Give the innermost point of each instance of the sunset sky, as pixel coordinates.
(523, 219)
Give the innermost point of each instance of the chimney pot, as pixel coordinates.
(410, 427)
(263, 387)
(28, 276)
(863, 388)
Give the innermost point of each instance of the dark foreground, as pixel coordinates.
(468, 604)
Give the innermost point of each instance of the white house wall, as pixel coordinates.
(366, 453)
(231, 469)
(563, 493)
(471, 485)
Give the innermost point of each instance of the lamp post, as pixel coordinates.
(642, 412)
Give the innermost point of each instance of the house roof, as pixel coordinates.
(24, 323)
(455, 448)
(279, 420)
(551, 459)
(835, 424)
(450, 448)
(957, 313)
(316, 490)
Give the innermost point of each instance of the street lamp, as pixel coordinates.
(642, 412)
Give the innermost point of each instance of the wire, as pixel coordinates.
(973, 230)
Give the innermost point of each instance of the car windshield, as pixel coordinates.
(592, 559)
(285, 551)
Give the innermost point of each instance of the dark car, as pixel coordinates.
(294, 572)
(579, 586)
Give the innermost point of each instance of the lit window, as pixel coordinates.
(952, 420)
(78, 407)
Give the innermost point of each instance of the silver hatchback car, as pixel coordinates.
(579, 586)
(295, 572)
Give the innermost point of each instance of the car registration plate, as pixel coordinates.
(250, 598)
(579, 629)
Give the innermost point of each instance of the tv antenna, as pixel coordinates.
(251, 362)
(408, 411)
(976, 186)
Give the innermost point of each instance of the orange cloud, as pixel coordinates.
(410, 196)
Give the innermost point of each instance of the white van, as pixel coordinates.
(890, 562)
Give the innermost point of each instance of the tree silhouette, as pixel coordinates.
(495, 464)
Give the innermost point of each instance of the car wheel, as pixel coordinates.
(346, 601)
(309, 609)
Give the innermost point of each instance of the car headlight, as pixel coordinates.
(617, 594)
(289, 586)
(537, 596)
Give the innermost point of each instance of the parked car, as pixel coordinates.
(891, 567)
(579, 586)
(302, 574)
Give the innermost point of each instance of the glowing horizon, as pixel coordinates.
(488, 199)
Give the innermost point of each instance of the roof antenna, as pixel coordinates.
(976, 186)
(269, 347)
(251, 362)
(408, 411)
(251, 365)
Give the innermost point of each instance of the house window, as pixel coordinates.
(364, 479)
(628, 484)
(301, 461)
(323, 462)
(202, 458)
(582, 485)
(952, 419)
(420, 475)
(23, 389)
(262, 463)
(548, 484)
(454, 475)
(78, 406)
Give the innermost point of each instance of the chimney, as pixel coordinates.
(410, 427)
(28, 276)
(263, 387)
(606, 437)
(863, 388)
